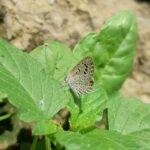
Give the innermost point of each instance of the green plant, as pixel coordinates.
(33, 83)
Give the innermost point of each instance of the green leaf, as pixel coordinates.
(142, 137)
(112, 49)
(96, 140)
(40, 145)
(2, 96)
(128, 115)
(5, 117)
(56, 57)
(35, 93)
(87, 110)
(86, 46)
(45, 127)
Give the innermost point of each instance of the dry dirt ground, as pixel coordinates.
(27, 23)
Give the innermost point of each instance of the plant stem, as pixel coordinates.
(34, 143)
(5, 117)
(47, 143)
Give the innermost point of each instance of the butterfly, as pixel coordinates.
(80, 78)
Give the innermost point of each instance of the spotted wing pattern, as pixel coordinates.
(80, 78)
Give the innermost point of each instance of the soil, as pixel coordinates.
(28, 23)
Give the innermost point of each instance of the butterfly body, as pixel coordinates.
(80, 78)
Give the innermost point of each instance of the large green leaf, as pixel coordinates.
(97, 140)
(113, 50)
(87, 110)
(128, 115)
(2, 96)
(35, 93)
(44, 127)
(142, 137)
(56, 57)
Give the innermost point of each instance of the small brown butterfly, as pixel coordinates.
(80, 78)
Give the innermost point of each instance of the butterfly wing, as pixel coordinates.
(80, 79)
